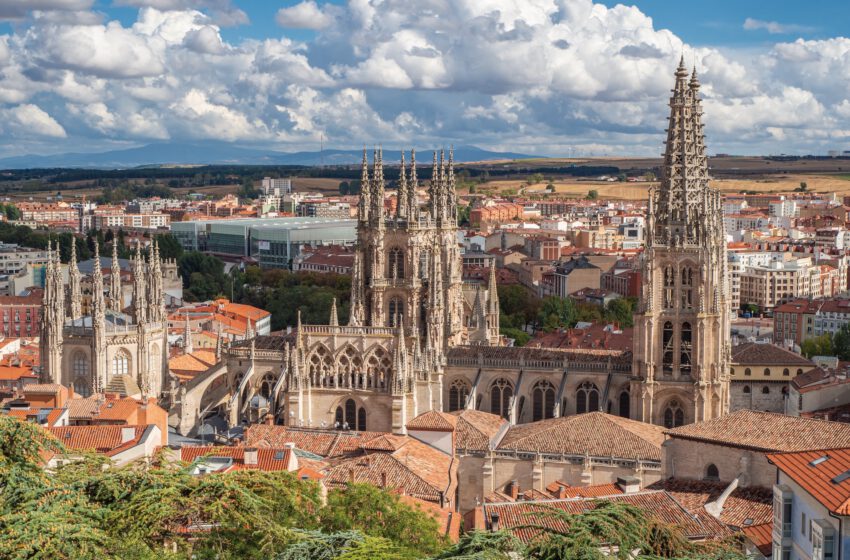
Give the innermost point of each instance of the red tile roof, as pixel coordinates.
(754, 353)
(761, 536)
(103, 439)
(596, 434)
(766, 431)
(744, 507)
(819, 479)
(433, 421)
(268, 459)
(476, 430)
(326, 443)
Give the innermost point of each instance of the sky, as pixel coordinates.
(543, 77)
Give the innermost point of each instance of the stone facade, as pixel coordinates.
(682, 345)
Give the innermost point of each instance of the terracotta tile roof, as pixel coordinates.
(539, 354)
(449, 520)
(761, 536)
(433, 421)
(513, 516)
(13, 373)
(476, 429)
(744, 507)
(79, 408)
(417, 469)
(103, 439)
(43, 388)
(325, 443)
(592, 491)
(754, 353)
(596, 434)
(32, 414)
(247, 311)
(819, 478)
(197, 362)
(767, 431)
(384, 442)
(268, 459)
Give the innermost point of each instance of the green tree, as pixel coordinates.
(817, 346)
(621, 310)
(203, 276)
(344, 188)
(378, 513)
(247, 189)
(169, 247)
(841, 342)
(484, 545)
(556, 313)
(649, 176)
(592, 195)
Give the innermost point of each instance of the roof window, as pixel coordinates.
(818, 461)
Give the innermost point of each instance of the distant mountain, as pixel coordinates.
(222, 153)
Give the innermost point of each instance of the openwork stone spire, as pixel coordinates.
(115, 297)
(401, 195)
(75, 291)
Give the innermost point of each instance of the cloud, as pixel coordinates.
(28, 119)
(305, 15)
(222, 12)
(17, 9)
(774, 27)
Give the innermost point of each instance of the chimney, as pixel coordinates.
(628, 484)
(561, 492)
(513, 489)
(128, 433)
(383, 480)
(494, 522)
(292, 465)
(250, 456)
(269, 420)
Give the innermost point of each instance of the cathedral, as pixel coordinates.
(421, 339)
(112, 347)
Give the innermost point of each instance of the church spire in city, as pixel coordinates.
(365, 205)
(139, 286)
(188, 348)
(115, 297)
(401, 194)
(412, 187)
(75, 291)
(334, 321)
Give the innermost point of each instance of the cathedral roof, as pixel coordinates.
(267, 342)
(595, 434)
(754, 353)
(433, 420)
(528, 354)
(745, 506)
(477, 429)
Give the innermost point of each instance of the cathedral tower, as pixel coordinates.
(681, 337)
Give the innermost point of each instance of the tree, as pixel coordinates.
(344, 188)
(484, 545)
(247, 190)
(621, 310)
(592, 195)
(649, 176)
(203, 275)
(817, 346)
(841, 342)
(169, 247)
(556, 313)
(377, 513)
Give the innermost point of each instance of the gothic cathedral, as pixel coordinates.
(681, 338)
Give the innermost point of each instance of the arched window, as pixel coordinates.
(349, 417)
(685, 349)
(625, 404)
(121, 363)
(396, 262)
(501, 392)
(321, 367)
(81, 365)
(712, 473)
(799, 371)
(82, 387)
(587, 398)
(748, 372)
(669, 283)
(667, 341)
(543, 401)
(458, 394)
(687, 287)
(673, 415)
(267, 385)
(765, 390)
(396, 311)
(746, 389)
(732, 371)
(767, 371)
(786, 371)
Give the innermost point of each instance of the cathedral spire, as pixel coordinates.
(364, 206)
(334, 322)
(75, 292)
(218, 341)
(434, 190)
(188, 348)
(401, 195)
(451, 197)
(378, 189)
(115, 297)
(139, 286)
(493, 292)
(412, 187)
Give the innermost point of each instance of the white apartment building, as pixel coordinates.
(783, 208)
(276, 187)
(782, 278)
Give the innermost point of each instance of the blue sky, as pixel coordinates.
(539, 76)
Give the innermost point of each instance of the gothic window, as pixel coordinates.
(378, 367)
(321, 367)
(587, 398)
(82, 387)
(81, 365)
(685, 348)
(267, 385)
(674, 416)
(458, 393)
(501, 392)
(349, 361)
(667, 342)
(396, 311)
(396, 262)
(154, 358)
(712, 473)
(423, 265)
(687, 287)
(350, 417)
(543, 404)
(669, 282)
(625, 404)
(121, 363)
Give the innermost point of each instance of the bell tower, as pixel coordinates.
(681, 337)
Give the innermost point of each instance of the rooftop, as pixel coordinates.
(755, 353)
(824, 474)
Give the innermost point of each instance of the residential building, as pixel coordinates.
(761, 374)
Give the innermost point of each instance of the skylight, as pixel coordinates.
(818, 461)
(841, 478)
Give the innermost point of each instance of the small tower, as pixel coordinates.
(116, 298)
(187, 337)
(75, 291)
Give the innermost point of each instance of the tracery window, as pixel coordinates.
(81, 365)
(674, 416)
(501, 392)
(587, 398)
(121, 363)
(687, 287)
(685, 349)
(667, 347)
(396, 262)
(350, 417)
(396, 311)
(543, 401)
(458, 394)
(669, 285)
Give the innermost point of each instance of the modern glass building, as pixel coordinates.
(273, 242)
